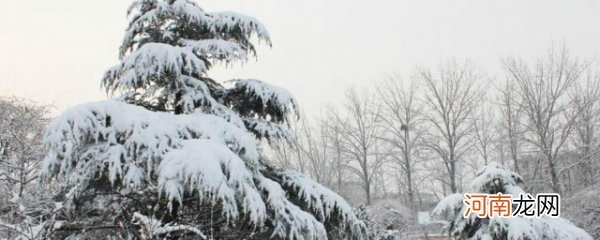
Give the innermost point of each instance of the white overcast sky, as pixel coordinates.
(55, 51)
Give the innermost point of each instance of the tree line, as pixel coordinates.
(418, 137)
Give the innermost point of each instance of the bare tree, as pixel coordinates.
(543, 88)
(288, 153)
(451, 96)
(403, 123)
(484, 129)
(510, 123)
(22, 200)
(316, 149)
(361, 138)
(334, 132)
(21, 125)
(585, 97)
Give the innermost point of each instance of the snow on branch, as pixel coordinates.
(153, 62)
(318, 198)
(155, 20)
(217, 49)
(153, 228)
(129, 140)
(493, 177)
(159, 20)
(187, 10)
(196, 97)
(224, 21)
(534, 228)
(188, 154)
(323, 203)
(214, 171)
(274, 100)
(288, 219)
(268, 130)
(450, 203)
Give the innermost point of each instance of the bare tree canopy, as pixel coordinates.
(401, 115)
(543, 88)
(361, 137)
(452, 94)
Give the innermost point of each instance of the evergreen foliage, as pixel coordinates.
(493, 179)
(177, 155)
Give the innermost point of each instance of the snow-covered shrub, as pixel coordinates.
(177, 155)
(583, 209)
(389, 220)
(493, 179)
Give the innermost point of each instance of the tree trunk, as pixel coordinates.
(368, 192)
(176, 103)
(555, 178)
(453, 187)
(410, 185)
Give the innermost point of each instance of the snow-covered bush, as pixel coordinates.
(177, 154)
(583, 208)
(389, 220)
(493, 179)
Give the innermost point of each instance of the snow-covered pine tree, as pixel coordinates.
(493, 179)
(177, 154)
